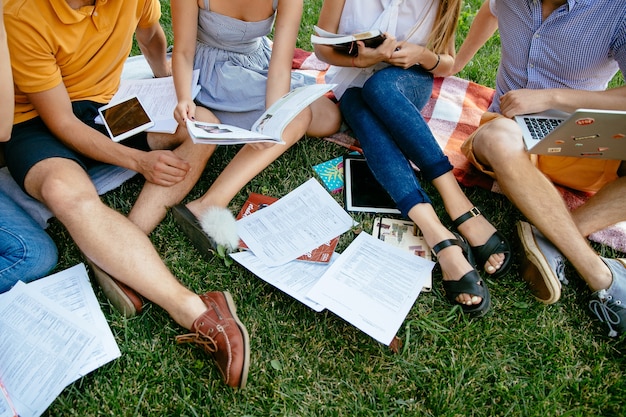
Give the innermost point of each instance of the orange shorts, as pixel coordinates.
(584, 174)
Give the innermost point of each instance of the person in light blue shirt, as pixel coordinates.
(558, 54)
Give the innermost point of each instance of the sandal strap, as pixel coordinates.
(447, 243)
(470, 283)
(473, 212)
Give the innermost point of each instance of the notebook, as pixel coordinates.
(585, 133)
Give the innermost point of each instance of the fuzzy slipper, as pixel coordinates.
(217, 226)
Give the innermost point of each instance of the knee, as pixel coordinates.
(326, 118)
(65, 197)
(499, 145)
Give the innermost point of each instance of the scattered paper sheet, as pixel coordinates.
(297, 223)
(294, 278)
(53, 332)
(72, 290)
(373, 286)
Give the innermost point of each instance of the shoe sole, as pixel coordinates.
(246, 339)
(536, 264)
(190, 226)
(116, 296)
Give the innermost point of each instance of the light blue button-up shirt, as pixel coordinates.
(581, 45)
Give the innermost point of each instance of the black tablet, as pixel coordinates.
(362, 192)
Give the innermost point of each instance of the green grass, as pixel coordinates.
(524, 359)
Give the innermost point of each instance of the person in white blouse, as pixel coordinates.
(381, 92)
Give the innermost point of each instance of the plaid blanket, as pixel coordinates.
(453, 112)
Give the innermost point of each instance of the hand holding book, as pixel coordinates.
(347, 44)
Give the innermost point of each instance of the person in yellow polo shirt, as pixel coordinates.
(67, 58)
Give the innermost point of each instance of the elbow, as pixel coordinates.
(5, 133)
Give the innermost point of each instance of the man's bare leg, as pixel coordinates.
(154, 200)
(113, 242)
(604, 209)
(499, 146)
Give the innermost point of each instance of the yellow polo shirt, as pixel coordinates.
(85, 49)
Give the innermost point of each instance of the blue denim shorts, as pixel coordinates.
(32, 142)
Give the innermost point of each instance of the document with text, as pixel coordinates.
(373, 286)
(299, 222)
(295, 278)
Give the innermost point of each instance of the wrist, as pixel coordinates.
(432, 68)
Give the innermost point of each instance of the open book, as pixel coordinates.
(268, 128)
(347, 44)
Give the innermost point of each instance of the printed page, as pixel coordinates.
(294, 278)
(158, 96)
(277, 117)
(297, 223)
(41, 351)
(373, 286)
(72, 290)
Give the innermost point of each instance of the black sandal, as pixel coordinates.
(496, 243)
(470, 283)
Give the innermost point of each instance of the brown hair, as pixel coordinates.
(444, 29)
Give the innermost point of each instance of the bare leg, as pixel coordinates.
(154, 200)
(112, 241)
(499, 145)
(603, 209)
(322, 118)
(478, 229)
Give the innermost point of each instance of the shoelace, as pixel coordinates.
(604, 313)
(206, 342)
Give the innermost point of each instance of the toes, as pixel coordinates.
(494, 263)
(468, 299)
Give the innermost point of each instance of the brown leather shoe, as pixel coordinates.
(219, 332)
(122, 297)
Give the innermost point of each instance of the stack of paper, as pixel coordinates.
(53, 332)
(372, 285)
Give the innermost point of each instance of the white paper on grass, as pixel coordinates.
(373, 286)
(53, 332)
(295, 278)
(299, 222)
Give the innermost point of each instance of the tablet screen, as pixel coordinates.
(362, 192)
(125, 119)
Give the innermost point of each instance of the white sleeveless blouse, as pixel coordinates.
(398, 17)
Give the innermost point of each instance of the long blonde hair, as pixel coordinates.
(444, 29)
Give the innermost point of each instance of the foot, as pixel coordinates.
(216, 226)
(468, 289)
(220, 333)
(123, 298)
(490, 248)
(543, 267)
(609, 305)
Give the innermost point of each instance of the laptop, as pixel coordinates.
(586, 133)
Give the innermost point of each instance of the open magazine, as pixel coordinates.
(268, 128)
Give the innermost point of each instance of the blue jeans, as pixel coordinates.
(26, 251)
(385, 116)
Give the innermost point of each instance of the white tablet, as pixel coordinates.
(125, 119)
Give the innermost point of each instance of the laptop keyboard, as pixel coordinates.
(540, 127)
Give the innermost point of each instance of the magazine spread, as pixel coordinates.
(268, 128)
